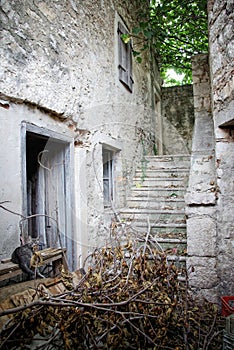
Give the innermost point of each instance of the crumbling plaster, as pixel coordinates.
(12, 120)
(61, 58)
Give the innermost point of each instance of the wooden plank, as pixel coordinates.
(49, 255)
(10, 274)
(10, 266)
(4, 261)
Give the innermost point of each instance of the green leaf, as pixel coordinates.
(173, 195)
(136, 30)
(126, 38)
(176, 30)
(148, 34)
(135, 53)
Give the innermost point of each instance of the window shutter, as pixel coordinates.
(125, 59)
(130, 79)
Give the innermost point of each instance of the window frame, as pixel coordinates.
(108, 158)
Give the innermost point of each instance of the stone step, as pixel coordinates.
(147, 166)
(165, 230)
(153, 215)
(178, 158)
(176, 245)
(172, 156)
(172, 241)
(158, 192)
(155, 203)
(177, 233)
(162, 173)
(178, 260)
(146, 212)
(166, 162)
(155, 219)
(160, 182)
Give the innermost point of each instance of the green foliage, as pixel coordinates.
(181, 77)
(155, 150)
(125, 38)
(176, 30)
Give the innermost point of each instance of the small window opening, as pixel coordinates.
(108, 178)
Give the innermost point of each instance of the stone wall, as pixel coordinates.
(210, 196)
(221, 24)
(221, 59)
(201, 194)
(177, 119)
(62, 58)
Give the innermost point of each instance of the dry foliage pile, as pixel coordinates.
(130, 298)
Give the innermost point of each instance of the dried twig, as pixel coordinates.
(11, 211)
(129, 298)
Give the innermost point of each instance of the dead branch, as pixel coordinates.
(35, 303)
(129, 298)
(10, 211)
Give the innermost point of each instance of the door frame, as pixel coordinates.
(69, 168)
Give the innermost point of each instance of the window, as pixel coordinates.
(108, 179)
(125, 58)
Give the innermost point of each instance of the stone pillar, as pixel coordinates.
(201, 194)
(221, 46)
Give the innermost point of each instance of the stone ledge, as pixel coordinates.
(195, 198)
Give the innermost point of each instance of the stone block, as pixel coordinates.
(202, 272)
(212, 294)
(200, 198)
(201, 89)
(216, 60)
(201, 236)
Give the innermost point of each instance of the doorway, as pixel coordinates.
(47, 189)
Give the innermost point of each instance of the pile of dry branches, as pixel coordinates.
(130, 298)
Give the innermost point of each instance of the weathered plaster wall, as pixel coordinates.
(62, 57)
(201, 194)
(221, 34)
(177, 119)
(12, 168)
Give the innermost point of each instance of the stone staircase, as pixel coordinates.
(156, 201)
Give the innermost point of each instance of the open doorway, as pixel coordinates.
(47, 189)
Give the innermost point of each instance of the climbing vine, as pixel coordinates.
(176, 30)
